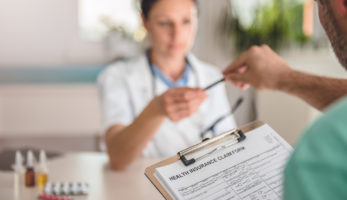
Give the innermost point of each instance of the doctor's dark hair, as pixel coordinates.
(147, 5)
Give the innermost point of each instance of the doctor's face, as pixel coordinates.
(172, 26)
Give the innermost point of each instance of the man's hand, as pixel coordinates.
(179, 103)
(259, 67)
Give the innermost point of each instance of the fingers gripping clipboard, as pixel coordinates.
(211, 146)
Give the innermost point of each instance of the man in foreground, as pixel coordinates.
(317, 168)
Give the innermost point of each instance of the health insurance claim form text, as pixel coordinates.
(249, 170)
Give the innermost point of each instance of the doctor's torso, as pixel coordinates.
(128, 86)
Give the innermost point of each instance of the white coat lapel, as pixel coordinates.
(141, 83)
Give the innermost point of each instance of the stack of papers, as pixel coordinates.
(251, 169)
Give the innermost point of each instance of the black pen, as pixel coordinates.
(213, 84)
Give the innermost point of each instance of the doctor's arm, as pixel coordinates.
(263, 69)
(126, 143)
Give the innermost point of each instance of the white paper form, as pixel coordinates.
(250, 170)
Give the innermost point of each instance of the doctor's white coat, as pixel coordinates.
(126, 87)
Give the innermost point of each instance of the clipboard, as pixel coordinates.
(236, 135)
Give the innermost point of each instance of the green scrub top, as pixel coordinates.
(317, 168)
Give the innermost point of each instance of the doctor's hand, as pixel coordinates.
(179, 103)
(259, 67)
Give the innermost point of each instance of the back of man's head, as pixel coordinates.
(333, 16)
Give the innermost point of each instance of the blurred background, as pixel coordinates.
(51, 53)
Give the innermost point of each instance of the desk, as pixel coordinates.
(92, 168)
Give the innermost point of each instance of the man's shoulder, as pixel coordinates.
(334, 120)
(328, 132)
(337, 113)
(320, 157)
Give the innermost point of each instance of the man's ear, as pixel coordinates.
(342, 7)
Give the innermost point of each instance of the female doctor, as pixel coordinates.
(153, 105)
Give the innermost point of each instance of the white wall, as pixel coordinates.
(52, 109)
(41, 32)
(45, 33)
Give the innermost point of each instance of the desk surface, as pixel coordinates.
(92, 168)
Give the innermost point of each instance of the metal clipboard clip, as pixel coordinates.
(235, 136)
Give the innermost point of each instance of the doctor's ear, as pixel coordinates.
(144, 21)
